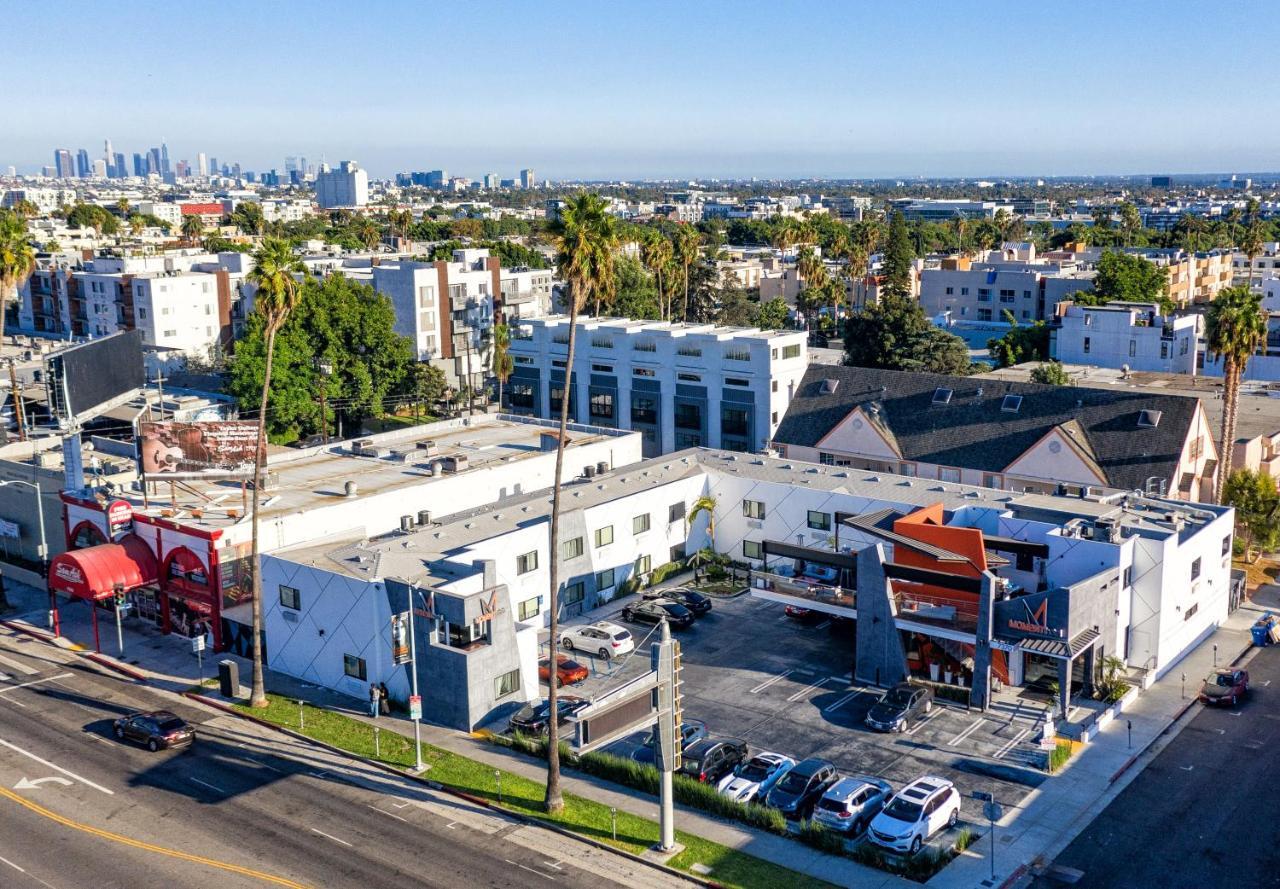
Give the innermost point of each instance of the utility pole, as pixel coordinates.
(160, 393)
(665, 658)
(15, 391)
(415, 701)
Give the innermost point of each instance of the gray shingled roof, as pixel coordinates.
(973, 432)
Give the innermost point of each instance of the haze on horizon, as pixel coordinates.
(654, 89)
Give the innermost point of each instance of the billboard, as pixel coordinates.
(213, 449)
(93, 377)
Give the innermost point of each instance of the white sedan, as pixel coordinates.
(601, 639)
(754, 778)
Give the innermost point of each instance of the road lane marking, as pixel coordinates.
(823, 625)
(12, 865)
(1013, 742)
(1186, 768)
(30, 784)
(390, 814)
(57, 768)
(148, 847)
(967, 732)
(768, 682)
(330, 837)
(15, 702)
(33, 682)
(207, 784)
(808, 688)
(451, 825)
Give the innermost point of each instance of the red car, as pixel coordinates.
(1225, 686)
(568, 671)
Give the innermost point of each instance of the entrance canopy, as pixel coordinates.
(94, 572)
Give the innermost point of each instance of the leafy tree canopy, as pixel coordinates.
(1130, 278)
(895, 334)
(1051, 373)
(1020, 343)
(1257, 503)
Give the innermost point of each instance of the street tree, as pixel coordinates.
(686, 250)
(772, 314)
(503, 362)
(1235, 326)
(1257, 504)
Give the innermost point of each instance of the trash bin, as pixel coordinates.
(1262, 629)
(229, 678)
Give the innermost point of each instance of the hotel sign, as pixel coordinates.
(1035, 616)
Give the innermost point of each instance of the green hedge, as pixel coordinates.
(662, 572)
(1059, 755)
(813, 833)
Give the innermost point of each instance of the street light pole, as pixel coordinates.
(43, 552)
(415, 712)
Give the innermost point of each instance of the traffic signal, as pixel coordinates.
(120, 600)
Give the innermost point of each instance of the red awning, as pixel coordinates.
(95, 571)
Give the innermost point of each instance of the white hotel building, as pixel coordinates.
(679, 385)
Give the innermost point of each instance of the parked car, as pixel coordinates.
(754, 778)
(917, 812)
(1225, 686)
(710, 759)
(695, 602)
(691, 731)
(801, 788)
(568, 671)
(849, 805)
(156, 729)
(900, 707)
(533, 717)
(652, 611)
(606, 640)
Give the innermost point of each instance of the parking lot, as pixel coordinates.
(782, 685)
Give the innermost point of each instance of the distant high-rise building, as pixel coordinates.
(202, 164)
(164, 157)
(98, 169)
(82, 164)
(347, 186)
(526, 179)
(121, 171)
(290, 163)
(437, 179)
(154, 166)
(214, 169)
(182, 170)
(63, 163)
(1161, 181)
(235, 171)
(490, 180)
(107, 154)
(139, 165)
(48, 172)
(11, 171)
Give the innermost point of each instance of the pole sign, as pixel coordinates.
(400, 653)
(415, 706)
(197, 644)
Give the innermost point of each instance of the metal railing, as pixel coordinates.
(941, 610)
(801, 588)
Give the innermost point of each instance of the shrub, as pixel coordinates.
(1059, 755)
(620, 770)
(814, 834)
(871, 855)
(662, 572)
(964, 840)
(715, 572)
(923, 865)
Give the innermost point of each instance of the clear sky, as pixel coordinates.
(628, 88)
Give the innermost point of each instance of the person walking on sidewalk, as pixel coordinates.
(374, 695)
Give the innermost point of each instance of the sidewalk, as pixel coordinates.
(1052, 815)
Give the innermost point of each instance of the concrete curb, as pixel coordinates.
(436, 785)
(99, 659)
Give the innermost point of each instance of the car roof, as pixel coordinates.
(809, 766)
(768, 757)
(923, 788)
(609, 626)
(847, 786)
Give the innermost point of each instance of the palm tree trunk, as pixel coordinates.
(554, 800)
(1230, 406)
(684, 312)
(662, 311)
(258, 693)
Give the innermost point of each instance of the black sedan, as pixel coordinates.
(652, 611)
(155, 729)
(532, 718)
(900, 707)
(801, 788)
(695, 602)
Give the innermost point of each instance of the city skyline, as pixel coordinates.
(714, 90)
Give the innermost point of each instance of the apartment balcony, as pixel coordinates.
(809, 591)
(942, 611)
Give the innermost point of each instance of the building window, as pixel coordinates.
(1133, 348)
(1128, 576)
(826, 459)
(640, 524)
(602, 368)
(527, 562)
(506, 683)
(753, 509)
(530, 608)
(1186, 615)
(520, 395)
(688, 416)
(572, 549)
(792, 351)
(290, 598)
(643, 409)
(948, 474)
(1195, 569)
(354, 667)
(604, 536)
(604, 579)
(689, 378)
(734, 421)
(602, 405)
(644, 372)
(675, 512)
(773, 385)
(819, 521)
(1226, 544)
(573, 593)
(677, 553)
(1086, 345)
(736, 381)
(644, 564)
(751, 550)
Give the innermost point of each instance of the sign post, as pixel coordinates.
(992, 810)
(119, 626)
(197, 645)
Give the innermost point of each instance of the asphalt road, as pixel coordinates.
(1203, 812)
(244, 807)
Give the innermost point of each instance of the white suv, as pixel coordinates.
(917, 812)
(601, 639)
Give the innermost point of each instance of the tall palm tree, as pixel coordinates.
(706, 503)
(586, 237)
(503, 363)
(656, 253)
(192, 228)
(275, 274)
(687, 242)
(785, 233)
(1235, 326)
(1251, 242)
(17, 259)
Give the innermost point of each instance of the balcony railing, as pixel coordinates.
(800, 588)
(941, 610)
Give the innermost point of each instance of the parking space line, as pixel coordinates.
(34, 682)
(922, 723)
(808, 688)
(19, 666)
(1013, 742)
(768, 682)
(849, 696)
(967, 732)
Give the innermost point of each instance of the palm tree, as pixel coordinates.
(122, 207)
(274, 274)
(1251, 242)
(785, 233)
(586, 237)
(656, 253)
(686, 252)
(192, 228)
(1235, 326)
(706, 503)
(17, 259)
(503, 363)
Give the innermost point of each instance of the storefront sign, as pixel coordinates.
(1034, 616)
(70, 573)
(415, 706)
(119, 517)
(400, 638)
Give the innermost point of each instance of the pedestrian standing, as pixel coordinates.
(374, 695)
(384, 699)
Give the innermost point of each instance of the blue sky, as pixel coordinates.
(651, 89)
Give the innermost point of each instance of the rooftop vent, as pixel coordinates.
(829, 386)
(1010, 404)
(941, 396)
(1149, 419)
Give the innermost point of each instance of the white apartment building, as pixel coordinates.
(347, 186)
(1135, 335)
(1266, 265)
(165, 211)
(178, 311)
(680, 385)
(286, 210)
(525, 293)
(46, 199)
(984, 290)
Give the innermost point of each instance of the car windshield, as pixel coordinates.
(171, 724)
(904, 810)
(756, 770)
(897, 697)
(1225, 680)
(675, 609)
(827, 804)
(621, 634)
(794, 782)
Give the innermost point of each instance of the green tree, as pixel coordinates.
(192, 228)
(247, 216)
(637, 297)
(1128, 278)
(686, 250)
(17, 259)
(773, 315)
(586, 239)
(1019, 343)
(656, 252)
(1235, 326)
(1051, 373)
(1257, 504)
(899, 255)
(429, 385)
(1252, 241)
(275, 278)
(1130, 222)
(26, 209)
(733, 307)
(503, 363)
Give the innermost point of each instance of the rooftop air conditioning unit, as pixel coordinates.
(589, 471)
(602, 467)
(424, 517)
(428, 448)
(406, 523)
